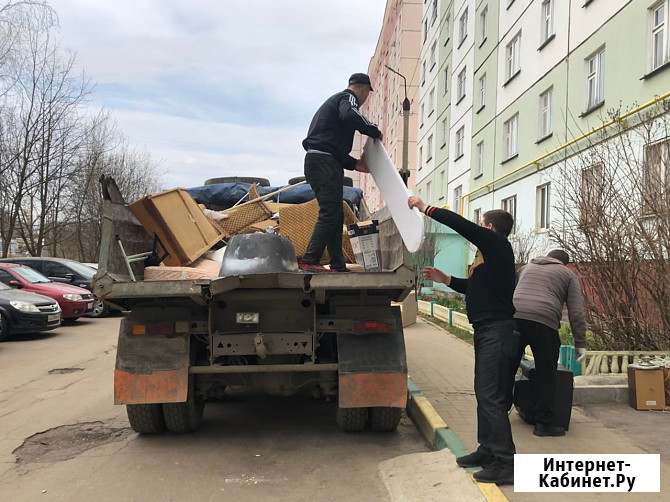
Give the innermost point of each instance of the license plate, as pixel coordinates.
(89, 305)
(53, 317)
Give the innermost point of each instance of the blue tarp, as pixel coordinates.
(225, 195)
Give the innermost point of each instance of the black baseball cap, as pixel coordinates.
(360, 78)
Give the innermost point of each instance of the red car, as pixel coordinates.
(74, 301)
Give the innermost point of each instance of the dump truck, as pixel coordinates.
(262, 323)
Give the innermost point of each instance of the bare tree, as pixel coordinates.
(526, 244)
(615, 211)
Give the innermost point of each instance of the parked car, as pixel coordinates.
(23, 312)
(68, 272)
(74, 301)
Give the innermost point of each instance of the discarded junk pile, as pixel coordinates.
(192, 228)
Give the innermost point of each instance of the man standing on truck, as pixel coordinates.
(544, 286)
(488, 299)
(328, 144)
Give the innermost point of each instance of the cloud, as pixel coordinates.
(212, 87)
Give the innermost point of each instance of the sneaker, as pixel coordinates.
(475, 459)
(309, 267)
(343, 268)
(548, 430)
(498, 472)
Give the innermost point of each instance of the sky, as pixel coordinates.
(214, 88)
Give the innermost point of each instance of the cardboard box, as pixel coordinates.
(408, 308)
(666, 378)
(181, 225)
(364, 237)
(645, 388)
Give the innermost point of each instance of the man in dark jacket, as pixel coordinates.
(328, 144)
(544, 286)
(488, 299)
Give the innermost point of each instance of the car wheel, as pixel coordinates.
(4, 328)
(100, 309)
(352, 419)
(146, 418)
(385, 418)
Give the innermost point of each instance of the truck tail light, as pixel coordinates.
(372, 327)
(153, 329)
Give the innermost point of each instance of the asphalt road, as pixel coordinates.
(62, 438)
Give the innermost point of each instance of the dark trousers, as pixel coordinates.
(545, 344)
(326, 177)
(496, 346)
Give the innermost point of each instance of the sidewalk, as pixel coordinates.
(442, 367)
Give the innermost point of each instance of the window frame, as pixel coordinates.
(597, 76)
(482, 91)
(653, 30)
(484, 23)
(513, 57)
(463, 27)
(505, 204)
(546, 125)
(458, 198)
(511, 137)
(547, 21)
(543, 207)
(459, 147)
(479, 159)
(462, 84)
(429, 146)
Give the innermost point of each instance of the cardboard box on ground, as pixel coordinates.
(646, 388)
(192, 233)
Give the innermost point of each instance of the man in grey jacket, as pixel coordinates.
(544, 286)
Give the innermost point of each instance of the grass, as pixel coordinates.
(462, 334)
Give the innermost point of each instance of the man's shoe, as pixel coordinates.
(308, 267)
(548, 430)
(475, 459)
(498, 472)
(343, 268)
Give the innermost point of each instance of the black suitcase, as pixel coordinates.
(524, 394)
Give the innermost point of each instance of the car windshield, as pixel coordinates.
(81, 269)
(30, 275)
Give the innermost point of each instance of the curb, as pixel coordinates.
(435, 430)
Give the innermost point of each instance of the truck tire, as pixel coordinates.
(146, 418)
(352, 419)
(183, 418)
(4, 328)
(385, 418)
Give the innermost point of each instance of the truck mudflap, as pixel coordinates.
(373, 368)
(151, 368)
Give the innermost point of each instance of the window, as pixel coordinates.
(547, 19)
(445, 129)
(477, 216)
(484, 23)
(461, 84)
(428, 192)
(542, 218)
(433, 51)
(423, 72)
(446, 80)
(482, 91)
(658, 42)
(447, 28)
(656, 180)
(433, 16)
(509, 205)
(513, 54)
(420, 157)
(421, 115)
(546, 109)
(479, 159)
(591, 200)
(442, 184)
(460, 138)
(463, 27)
(51, 269)
(511, 137)
(595, 79)
(458, 197)
(430, 148)
(431, 101)
(425, 29)
(5, 277)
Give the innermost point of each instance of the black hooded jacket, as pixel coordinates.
(333, 127)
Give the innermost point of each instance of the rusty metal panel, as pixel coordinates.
(372, 389)
(168, 386)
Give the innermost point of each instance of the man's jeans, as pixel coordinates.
(496, 345)
(326, 177)
(546, 345)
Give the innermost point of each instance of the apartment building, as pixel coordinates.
(521, 79)
(398, 48)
